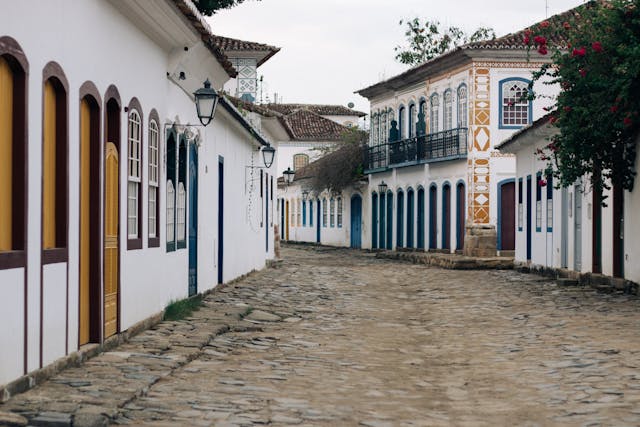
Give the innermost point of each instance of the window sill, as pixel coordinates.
(55, 255)
(134, 244)
(12, 259)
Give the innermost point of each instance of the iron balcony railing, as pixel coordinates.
(438, 146)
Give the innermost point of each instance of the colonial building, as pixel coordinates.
(114, 198)
(569, 228)
(435, 180)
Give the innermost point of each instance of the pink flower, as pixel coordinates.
(552, 120)
(566, 25)
(614, 109)
(542, 50)
(542, 182)
(568, 108)
(627, 121)
(596, 46)
(582, 72)
(544, 24)
(526, 39)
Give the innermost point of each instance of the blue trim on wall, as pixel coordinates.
(500, 84)
(399, 218)
(460, 239)
(499, 225)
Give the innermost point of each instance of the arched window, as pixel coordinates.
(339, 212)
(384, 132)
(154, 182)
(401, 120)
(447, 117)
(13, 154)
(463, 115)
(171, 190)
(54, 164)
(181, 199)
(433, 118)
(300, 161)
(134, 193)
(515, 107)
(411, 125)
(332, 218)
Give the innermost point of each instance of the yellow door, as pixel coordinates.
(85, 179)
(49, 169)
(111, 241)
(286, 234)
(6, 155)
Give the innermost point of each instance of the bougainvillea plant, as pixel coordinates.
(595, 53)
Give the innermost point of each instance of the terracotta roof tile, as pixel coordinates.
(305, 125)
(323, 110)
(254, 108)
(228, 44)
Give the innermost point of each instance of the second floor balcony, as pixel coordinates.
(434, 147)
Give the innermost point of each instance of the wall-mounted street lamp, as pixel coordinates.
(268, 153)
(288, 176)
(206, 102)
(382, 187)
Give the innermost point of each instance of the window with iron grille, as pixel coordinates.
(515, 107)
(463, 115)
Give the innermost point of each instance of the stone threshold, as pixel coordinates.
(448, 260)
(565, 276)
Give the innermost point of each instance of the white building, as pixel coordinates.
(431, 149)
(568, 228)
(114, 199)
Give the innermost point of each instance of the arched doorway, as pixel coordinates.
(446, 216)
(410, 217)
(420, 227)
(460, 215)
(374, 221)
(433, 217)
(507, 215)
(389, 226)
(400, 219)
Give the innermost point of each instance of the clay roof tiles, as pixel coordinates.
(228, 44)
(321, 109)
(306, 125)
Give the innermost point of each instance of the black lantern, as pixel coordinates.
(206, 101)
(268, 152)
(289, 175)
(382, 187)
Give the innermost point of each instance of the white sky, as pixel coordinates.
(330, 48)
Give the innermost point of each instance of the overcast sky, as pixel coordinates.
(330, 48)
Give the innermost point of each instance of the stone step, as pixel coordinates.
(564, 281)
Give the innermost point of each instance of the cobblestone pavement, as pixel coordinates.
(334, 337)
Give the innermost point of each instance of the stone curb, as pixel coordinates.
(449, 261)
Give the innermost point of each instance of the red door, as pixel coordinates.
(508, 216)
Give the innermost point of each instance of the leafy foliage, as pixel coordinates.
(428, 39)
(210, 7)
(342, 167)
(596, 66)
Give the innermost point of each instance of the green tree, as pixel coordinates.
(210, 7)
(596, 64)
(428, 39)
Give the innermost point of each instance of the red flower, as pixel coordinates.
(579, 52)
(582, 72)
(567, 108)
(566, 25)
(544, 24)
(526, 40)
(614, 109)
(527, 32)
(596, 46)
(542, 50)
(540, 40)
(627, 121)
(542, 182)
(552, 120)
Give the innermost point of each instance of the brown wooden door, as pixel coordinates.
(85, 221)
(6, 156)
(287, 221)
(507, 216)
(111, 241)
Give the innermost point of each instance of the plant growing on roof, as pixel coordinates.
(428, 39)
(595, 55)
(210, 7)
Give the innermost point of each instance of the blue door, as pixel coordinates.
(382, 222)
(318, 224)
(356, 222)
(281, 219)
(529, 212)
(389, 220)
(220, 218)
(420, 218)
(433, 217)
(193, 220)
(374, 221)
(410, 217)
(400, 219)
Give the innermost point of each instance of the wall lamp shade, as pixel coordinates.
(382, 187)
(206, 102)
(268, 153)
(289, 175)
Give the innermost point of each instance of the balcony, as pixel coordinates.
(434, 147)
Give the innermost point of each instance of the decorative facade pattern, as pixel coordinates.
(479, 167)
(247, 78)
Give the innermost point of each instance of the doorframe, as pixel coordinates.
(356, 243)
(529, 216)
(318, 221)
(446, 216)
(433, 216)
(389, 220)
(421, 218)
(400, 218)
(461, 218)
(411, 217)
(374, 220)
(499, 230)
(192, 191)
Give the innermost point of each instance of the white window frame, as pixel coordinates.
(447, 116)
(134, 138)
(154, 177)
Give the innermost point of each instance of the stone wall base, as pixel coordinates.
(480, 241)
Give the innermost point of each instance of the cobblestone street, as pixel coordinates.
(335, 337)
